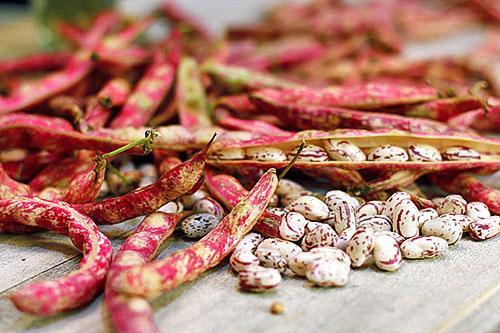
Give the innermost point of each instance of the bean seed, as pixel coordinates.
(286, 187)
(229, 154)
(342, 216)
(425, 215)
(287, 199)
(360, 246)
(343, 238)
(437, 200)
(317, 234)
(266, 154)
(277, 308)
(145, 181)
(259, 279)
(274, 202)
(311, 207)
(292, 226)
(423, 247)
(405, 219)
(387, 253)
(445, 227)
(452, 204)
(423, 153)
(397, 237)
(310, 153)
(173, 207)
(148, 170)
(240, 260)
(477, 210)
(198, 225)
(370, 208)
(276, 253)
(328, 272)
(376, 223)
(104, 189)
(485, 229)
(209, 206)
(333, 252)
(277, 211)
(249, 242)
(388, 153)
(460, 153)
(344, 151)
(300, 262)
(393, 200)
(189, 200)
(335, 196)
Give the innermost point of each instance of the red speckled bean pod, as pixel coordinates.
(470, 188)
(147, 95)
(101, 25)
(239, 104)
(78, 287)
(134, 314)
(171, 185)
(36, 62)
(192, 103)
(35, 92)
(480, 120)
(185, 265)
(444, 108)
(178, 16)
(225, 120)
(298, 114)
(26, 169)
(42, 132)
(11, 188)
(114, 94)
(229, 191)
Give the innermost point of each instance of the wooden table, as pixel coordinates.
(459, 292)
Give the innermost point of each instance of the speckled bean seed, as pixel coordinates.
(423, 153)
(258, 279)
(334, 196)
(452, 204)
(397, 237)
(370, 208)
(249, 242)
(292, 226)
(343, 238)
(360, 246)
(388, 153)
(405, 219)
(445, 227)
(477, 210)
(287, 186)
(425, 215)
(317, 234)
(173, 207)
(275, 253)
(485, 229)
(387, 253)
(210, 206)
(333, 252)
(277, 211)
(311, 207)
(198, 225)
(342, 216)
(266, 154)
(148, 170)
(189, 200)
(376, 223)
(240, 260)
(328, 272)
(229, 154)
(344, 151)
(460, 153)
(393, 200)
(423, 247)
(310, 153)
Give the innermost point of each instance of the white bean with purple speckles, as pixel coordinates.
(258, 279)
(292, 226)
(393, 200)
(229, 154)
(328, 272)
(370, 208)
(423, 247)
(342, 216)
(360, 246)
(445, 227)
(477, 210)
(317, 234)
(266, 154)
(344, 151)
(387, 253)
(376, 223)
(310, 153)
(460, 153)
(311, 207)
(425, 215)
(424, 153)
(486, 228)
(240, 260)
(388, 153)
(452, 204)
(405, 219)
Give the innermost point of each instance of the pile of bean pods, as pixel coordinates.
(191, 129)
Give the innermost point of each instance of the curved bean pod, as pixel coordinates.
(78, 287)
(170, 272)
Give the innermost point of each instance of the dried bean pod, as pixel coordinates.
(311, 207)
(292, 226)
(360, 246)
(485, 229)
(328, 272)
(170, 272)
(423, 153)
(425, 215)
(134, 314)
(387, 253)
(376, 223)
(477, 210)
(310, 153)
(259, 127)
(241, 260)
(445, 227)
(343, 238)
(405, 219)
(229, 191)
(35, 62)
(317, 235)
(77, 288)
(198, 225)
(266, 154)
(460, 153)
(169, 186)
(370, 208)
(423, 247)
(209, 206)
(259, 279)
(11, 188)
(388, 153)
(452, 204)
(344, 151)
